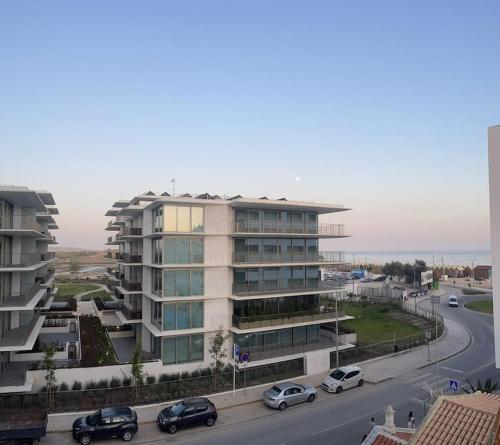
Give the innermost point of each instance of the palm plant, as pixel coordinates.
(488, 387)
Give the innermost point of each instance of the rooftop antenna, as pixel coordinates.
(173, 186)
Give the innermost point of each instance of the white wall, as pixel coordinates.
(494, 167)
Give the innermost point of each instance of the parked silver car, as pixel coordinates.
(285, 394)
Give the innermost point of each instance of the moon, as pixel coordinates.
(297, 179)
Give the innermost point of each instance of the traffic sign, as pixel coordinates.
(436, 299)
(236, 352)
(454, 385)
(244, 357)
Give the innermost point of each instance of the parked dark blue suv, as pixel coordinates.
(106, 423)
(189, 412)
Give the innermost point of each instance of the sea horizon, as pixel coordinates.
(431, 257)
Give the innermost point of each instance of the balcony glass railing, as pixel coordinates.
(23, 298)
(266, 320)
(131, 258)
(260, 257)
(131, 314)
(131, 286)
(283, 286)
(26, 259)
(131, 231)
(319, 229)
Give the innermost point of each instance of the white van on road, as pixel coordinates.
(452, 301)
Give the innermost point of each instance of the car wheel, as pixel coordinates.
(85, 439)
(311, 398)
(282, 406)
(210, 421)
(339, 389)
(361, 382)
(127, 435)
(172, 429)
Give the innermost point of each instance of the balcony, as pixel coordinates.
(22, 299)
(330, 257)
(47, 256)
(266, 320)
(22, 338)
(282, 287)
(131, 231)
(22, 260)
(131, 286)
(118, 275)
(131, 314)
(326, 341)
(130, 258)
(308, 230)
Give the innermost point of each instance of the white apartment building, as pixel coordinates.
(191, 264)
(26, 216)
(494, 167)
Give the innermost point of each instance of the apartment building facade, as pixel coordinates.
(188, 265)
(494, 172)
(26, 218)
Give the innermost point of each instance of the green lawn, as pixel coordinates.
(485, 306)
(467, 291)
(71, 289)
(373, 324)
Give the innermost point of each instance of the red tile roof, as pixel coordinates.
(383, 440)
(459, 420)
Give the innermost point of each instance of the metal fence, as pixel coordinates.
(179, 388)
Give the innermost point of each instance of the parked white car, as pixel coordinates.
(343, 378)
(452, 301)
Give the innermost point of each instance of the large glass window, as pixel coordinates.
(270, 221)
(183, 250)
(275, 221)
(279, 278)
(157, 251)
(156, 314)
(157, 281)
(182, 315)
(181, 283)
(183, 219)
(182, 349)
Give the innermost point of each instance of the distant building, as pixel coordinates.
(494, 168)
(482, 273)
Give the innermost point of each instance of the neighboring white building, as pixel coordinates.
(190, 264)
(494, 166)
(26, 216)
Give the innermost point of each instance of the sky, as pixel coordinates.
(382, 106)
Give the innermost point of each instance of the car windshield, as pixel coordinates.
(337, 374)
(275, 391)
(177, 409)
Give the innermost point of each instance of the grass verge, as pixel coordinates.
(71, 289)
(374, 324)
(485, 306)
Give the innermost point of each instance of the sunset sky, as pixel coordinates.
(380, 106)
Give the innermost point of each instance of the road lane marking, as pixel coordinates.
(355, 419)
(452, 369)
(419, 377)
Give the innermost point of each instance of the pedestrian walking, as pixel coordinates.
(371, 424)
(411, 420)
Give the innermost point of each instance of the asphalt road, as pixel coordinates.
(343, 419)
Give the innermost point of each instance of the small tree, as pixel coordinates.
(488, 387)
(137, 368)
(218, 351)
(49, 365)
(74, 266)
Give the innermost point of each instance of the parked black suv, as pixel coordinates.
(189, 412)
(106, 423)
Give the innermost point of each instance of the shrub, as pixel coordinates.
(77, 386)
(185, 375)
(126, 381)
(115, 382)
(91, 384)
(163, 378)
(205, 371)
(196, 373)
(43, 389)
(150, 379)
(103, 383)
(63, 387)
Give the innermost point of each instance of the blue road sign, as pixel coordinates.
(245, 357)
(454, 385)
(236, 351)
